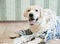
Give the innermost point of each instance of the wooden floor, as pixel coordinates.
(55, 41)
(8, 28)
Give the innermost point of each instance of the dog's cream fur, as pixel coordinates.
(47, 21)
(47, 18)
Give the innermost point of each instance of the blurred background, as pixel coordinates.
(14, 9)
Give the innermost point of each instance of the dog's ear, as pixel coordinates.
(25, 14)
(41, 12)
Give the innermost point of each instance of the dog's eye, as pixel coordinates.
(28, 10)
(36, 10)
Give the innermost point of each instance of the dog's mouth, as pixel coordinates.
(32, 21)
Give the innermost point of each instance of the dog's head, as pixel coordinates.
(33, 13)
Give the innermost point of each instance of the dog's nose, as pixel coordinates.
(30, 15)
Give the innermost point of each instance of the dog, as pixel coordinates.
(43, 23)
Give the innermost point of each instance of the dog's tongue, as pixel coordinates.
(32, 22)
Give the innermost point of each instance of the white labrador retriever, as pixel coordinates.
(42, 23)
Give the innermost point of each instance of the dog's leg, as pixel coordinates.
(14, 35)
(35, 41)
